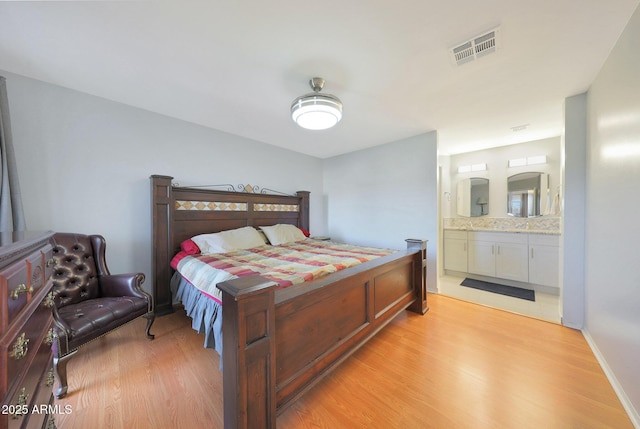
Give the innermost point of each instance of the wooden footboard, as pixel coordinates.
(278, 344)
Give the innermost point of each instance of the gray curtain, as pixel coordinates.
(11, 212)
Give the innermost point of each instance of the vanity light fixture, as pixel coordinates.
(473, 167)
(479, 167)
(518, 162)
(316, 111)
(531, 160)
(539, 159)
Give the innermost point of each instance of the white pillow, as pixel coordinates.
(282, 233)
(227, 241)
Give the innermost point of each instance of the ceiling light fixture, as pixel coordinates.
(316, 111)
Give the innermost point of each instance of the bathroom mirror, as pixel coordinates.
(527, 194)
(473, 197)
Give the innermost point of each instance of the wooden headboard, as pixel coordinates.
(179, 213)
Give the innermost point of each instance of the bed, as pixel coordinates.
(278, 342)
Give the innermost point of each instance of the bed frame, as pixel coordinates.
(279, 343)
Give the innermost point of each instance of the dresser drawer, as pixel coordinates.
(47, 260)
(25, 326)
(15, 411)
(35, 272)
(14, 292)
(41, 408)
(18, 348)
(33, 389)
(43, 398)
(21, 281)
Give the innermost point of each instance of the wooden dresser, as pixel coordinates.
(26, 374)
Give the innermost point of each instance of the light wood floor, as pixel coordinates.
(460, 366)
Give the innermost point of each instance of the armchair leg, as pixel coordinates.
(60, 372)
(151, 317)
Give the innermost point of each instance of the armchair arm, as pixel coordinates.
(122, 285)
(61, 332)
(58, 321)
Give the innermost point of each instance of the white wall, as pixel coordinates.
(383, 195)
(84, 165)
(612, 269)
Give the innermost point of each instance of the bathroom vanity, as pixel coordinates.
(530, 258)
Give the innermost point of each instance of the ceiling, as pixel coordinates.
(236, 66)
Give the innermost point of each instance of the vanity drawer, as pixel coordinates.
(455, 234)
(34, 388)
(19, 347)
(499, 237)
(544, 240)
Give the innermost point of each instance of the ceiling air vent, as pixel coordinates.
(477, 47)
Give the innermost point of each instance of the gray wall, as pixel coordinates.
(383, 195)
(84, 165)
(572, 241)
(612, 271)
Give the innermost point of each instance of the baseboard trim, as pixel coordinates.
(633, 414)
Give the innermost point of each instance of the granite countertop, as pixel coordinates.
(517, 230)
(547, 225)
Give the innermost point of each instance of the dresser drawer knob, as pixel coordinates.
(48, 340)
(22, 288)
(20, 348)
(21, 407)
(48, 300)
(50, 378)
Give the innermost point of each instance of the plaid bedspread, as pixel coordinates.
(286, 264)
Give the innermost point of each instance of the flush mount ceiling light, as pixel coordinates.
(316, 111)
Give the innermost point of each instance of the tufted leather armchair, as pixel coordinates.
(89, 302)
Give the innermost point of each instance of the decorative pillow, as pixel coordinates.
(282, 233)
(189, 247)
(177, 258)
(305, 232)
(227, 241)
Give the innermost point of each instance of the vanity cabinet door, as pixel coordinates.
(482, 257)
(511, 261)
(544, 257)
(455, 251)
(499, 254)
